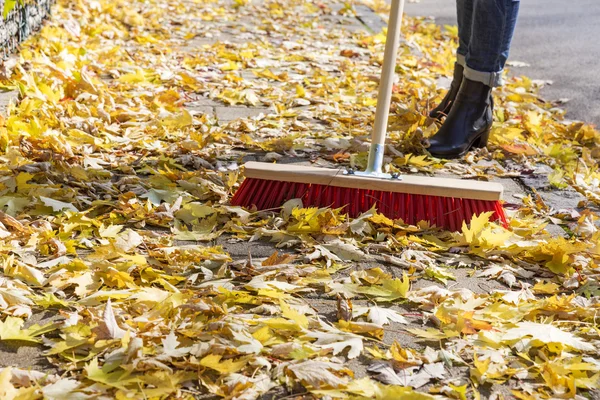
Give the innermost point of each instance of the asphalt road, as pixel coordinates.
(560, 39)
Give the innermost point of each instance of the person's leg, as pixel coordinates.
(493, 26)
(464, 15)
(470, 120)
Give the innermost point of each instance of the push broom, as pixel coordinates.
(445, 203)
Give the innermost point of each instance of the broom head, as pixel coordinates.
(443, 202)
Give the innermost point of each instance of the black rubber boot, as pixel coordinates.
(444, 107)
(468, 124)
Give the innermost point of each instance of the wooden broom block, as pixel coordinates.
(410, 184)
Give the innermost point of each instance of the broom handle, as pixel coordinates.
(386, 82)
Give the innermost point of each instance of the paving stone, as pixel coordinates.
(565, 199)
(249, 75)
(203, 101)
(26, 355)
(350, 24)
(5, 99)
(20, 354)
(464, 280)
(369, 18)
(240, 249)
(201, 109)
(227, 114)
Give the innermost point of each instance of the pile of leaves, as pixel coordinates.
(115, 218)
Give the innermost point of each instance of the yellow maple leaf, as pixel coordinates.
(214, 361)
(290, 313)
(133, 77)
(476, 225)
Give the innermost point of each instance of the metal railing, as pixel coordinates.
(20, 22)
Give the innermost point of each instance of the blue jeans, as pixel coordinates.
(485, 30)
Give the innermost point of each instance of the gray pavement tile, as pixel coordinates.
(26, 355)
(5, 99)
(370, 19)
(201, 110)
(202, 101)
(465, 279)
(226, 114)
(241, 249)
(565, 199)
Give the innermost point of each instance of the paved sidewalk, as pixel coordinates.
(246, 257)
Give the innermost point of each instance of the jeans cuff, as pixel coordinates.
(491, 79)
(461, 60)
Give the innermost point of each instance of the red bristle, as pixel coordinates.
(380, 201)
(431, 209)
(358, 200)
(383, 202)
(317, 194)
(394, 204)
(301, 190)
(469, 211)
(274, 193)
(450, 214)
(329, 197)
(323, 199)
(419, 213)
(354, 202)
(266, 201)
(280, 195)
(488, 206)
(441, 215)
(373, 199)
(481, 206)
(348, 201)
(307, 198)
(261, 194)
(310, 196)
(337, 198)
(414, 208)
(422, 208)
(403, 206)
(459, 213)
(256, 197)
(411, 208)
(366, 196)
(500, 214)
(347, 198)
(388, 203)
(239, 196)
